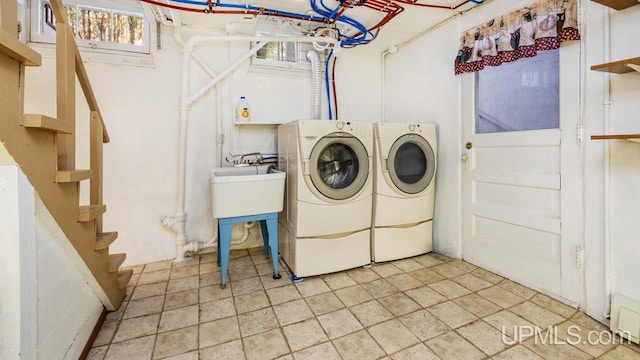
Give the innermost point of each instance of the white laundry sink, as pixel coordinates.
(248, 190)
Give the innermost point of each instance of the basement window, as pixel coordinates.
(97, 24)
(286, 55)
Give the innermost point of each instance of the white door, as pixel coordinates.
(514, 187)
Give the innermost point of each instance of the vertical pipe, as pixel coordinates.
(607, 165)
(316, 83)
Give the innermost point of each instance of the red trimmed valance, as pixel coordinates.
(519, 34)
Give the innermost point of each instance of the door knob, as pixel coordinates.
(468, 145)
(465, 157)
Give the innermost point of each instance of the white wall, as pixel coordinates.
(140, 105)
(43, 290)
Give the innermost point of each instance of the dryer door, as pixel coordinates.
(411, 163)
(339, 166)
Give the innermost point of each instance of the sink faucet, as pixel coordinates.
(257, 155)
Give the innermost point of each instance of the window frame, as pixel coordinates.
(125, 7)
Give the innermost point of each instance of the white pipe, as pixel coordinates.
(606, 101)
(391, 50)
(316, 79)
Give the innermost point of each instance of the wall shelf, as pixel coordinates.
(617, 4)
(620, 66)
(255, 123)
(630, 137)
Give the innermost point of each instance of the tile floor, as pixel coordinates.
(425, 307)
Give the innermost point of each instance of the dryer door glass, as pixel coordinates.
(339, 166)
(411, 163)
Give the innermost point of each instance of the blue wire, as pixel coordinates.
(326, 79)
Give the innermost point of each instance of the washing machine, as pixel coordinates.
(325, 225)
(403, 190)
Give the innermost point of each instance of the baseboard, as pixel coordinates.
(94, 335)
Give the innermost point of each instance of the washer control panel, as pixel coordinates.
(343, 125)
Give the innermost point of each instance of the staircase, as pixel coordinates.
(44, 148)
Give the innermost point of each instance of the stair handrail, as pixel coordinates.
(81, 72)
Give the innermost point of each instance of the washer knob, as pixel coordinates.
(412, 127)
(340, 125)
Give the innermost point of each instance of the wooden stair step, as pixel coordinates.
(103, 240)
(73, 176)
(123, 278)
(115, 260)
(15, 49)
(90, 212)
(47, 123)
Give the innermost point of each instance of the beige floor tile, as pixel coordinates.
(484, 337)
(578, 336)
(243, 272)
(190, 261)
(408, 265)
(452, 314)
(620, 353)
(154, 277)
(137, 270)
(105, 335)
(338, 280)
(353, 295)
(537, 315)
(286, 357)
(427, 260)
(217, 309)
(508, 323)
(416, 352)
(239, 253)
(363, 275)
(517, 352)
(324, 303)
(208, 258)
(257, 321)
(210, 293)
(137, 327)
(553, 305)
(424, 325)
(447, 270)
(251, 302)
(193, 355)
(425, 296)
(462, 265)
(404, 282)
(209, 268)
(232, 350)
(324, 351)
(358, 346)
(266, 345)
(179, 318)
(143, 307)
(149, 290)
(156, 266)
(181, 299)
(292, 312)
(260, 258)
(115, 316)
(449, 289)
(393, 336)
(187, 283)
(554, 351)
(339, 323)
(265, 269)
(451, 346)
(441, 257)
(584, 320)
(399, 304)
(487, 275)
(218, 332)
(97, 353)
(379, 288)
(632, 346)
(240, 262)
(385, 269)
(312, 286)
(477, 305)
(283, 294)
(268, 282)
(184, 271)
(139, 349)
(500, 297)
(246, 286)
(176, 342)
(522, 291)
(426, 276)
(304, 334)
(472, 282)
(210, 279)
(370, 313)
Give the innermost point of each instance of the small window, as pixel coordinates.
(114, 25)
(521, 95)
(285, 55)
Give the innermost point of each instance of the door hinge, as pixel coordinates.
(579, 134)
(579, 255)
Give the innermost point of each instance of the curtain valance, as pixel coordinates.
(519, 34)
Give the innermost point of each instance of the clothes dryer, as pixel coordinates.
(326, 222)
(404, 190)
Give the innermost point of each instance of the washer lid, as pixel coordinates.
(411, 163)
(339, 166)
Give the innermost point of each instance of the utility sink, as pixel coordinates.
(247, 190)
